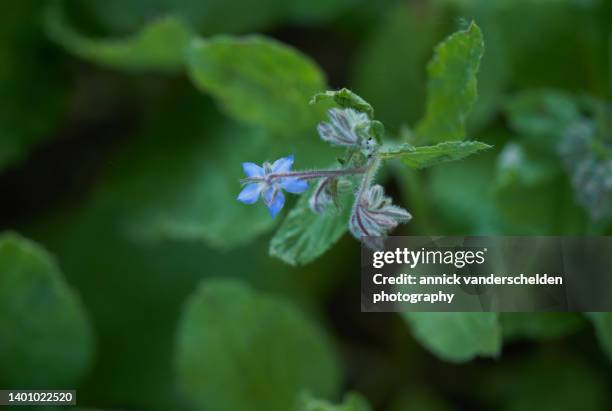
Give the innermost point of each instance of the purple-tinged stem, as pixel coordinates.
(371, 168)
(308, 175)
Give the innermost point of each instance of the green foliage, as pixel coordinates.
(452, 86)
(494, 74)
(345, 98)
(258, 81)
(132, 175)
(193, 196)
(560, 138)
(351, 402)
(427, 156)
(304, 235)
(389, 68)
(551, 382)
(33, 85)
(377, 131)
(540, 326)
(263, 351)
(45, 337)
(213, 16)
(457, 337)
(160, 45)
(587, 156)
(148, 282)
(209, 17)
(471, 210)
(603, 329)
(542, 113)
(517, 164)
(524, 173)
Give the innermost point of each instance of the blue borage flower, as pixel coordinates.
(269, 181)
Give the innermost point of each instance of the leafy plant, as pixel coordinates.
(457, 336)
(122, 129)
(46, 337)
(354, 128)
(247, 336)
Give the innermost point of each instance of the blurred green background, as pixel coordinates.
(138, 279)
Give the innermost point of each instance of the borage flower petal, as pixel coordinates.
(293, 185)
(282, 165)
(252, 170)
(250, 193)
(275, 200)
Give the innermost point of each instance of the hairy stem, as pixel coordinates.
(371, 168)
(309, 175)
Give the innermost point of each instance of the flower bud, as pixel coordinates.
(347, 127)
(374, 216)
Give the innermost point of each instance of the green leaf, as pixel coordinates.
(160, 45)
(518, 164)
(542, 113)
(457, 337)
(523, 172)
(588, 161)
(258, 81)
(33, 85)
(427, 156)
(242, 350)
(304, 235)
(452, 86)
(539, 326)
(345, 98)
(377, 131)
(603, 329)
(351, 402)
(551, 381)
(496, 64)
(45, 337)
